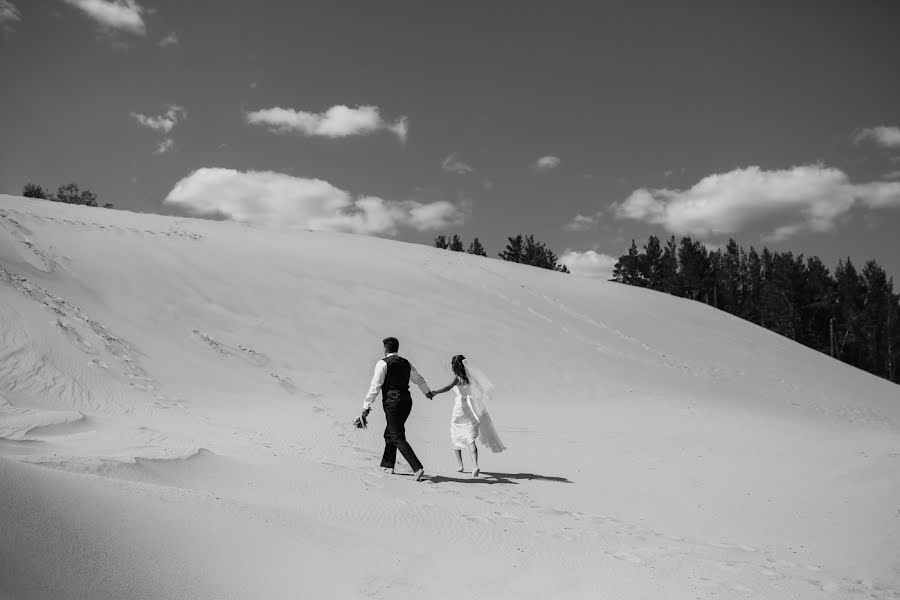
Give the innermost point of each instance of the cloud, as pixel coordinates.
(452, 164)
(124, 15)
(546, 163)
(400, 128)
(336, 122)
(589, 263)
(807, 198)
(892, 175)
(582, 222)
(164, 146)
(9, 13)
(169, 40)
(164, 122)
(883, 135)
(268, 198)
(879, 194)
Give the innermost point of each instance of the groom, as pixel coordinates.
(392, 377)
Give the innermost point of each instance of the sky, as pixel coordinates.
(585, 124)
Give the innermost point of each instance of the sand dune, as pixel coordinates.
(176, 398)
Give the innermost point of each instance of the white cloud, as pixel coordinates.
(801, 199)
(589, 264)
(582, 222)
(400, 128)
(883, 135)
(336, 122)
(164, 146)
(879, 194)
(8, 12)
(452, 164)
(269, 198)
(546, 163)
(124, 15)
(169, 40)
(164, 122)
(892, 174)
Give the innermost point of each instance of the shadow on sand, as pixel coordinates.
(491, 477)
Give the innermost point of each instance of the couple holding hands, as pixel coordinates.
(470, 419)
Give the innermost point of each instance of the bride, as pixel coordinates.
(470, 419)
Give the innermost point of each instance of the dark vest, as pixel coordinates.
(396, 380)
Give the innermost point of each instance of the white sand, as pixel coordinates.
(176, 398)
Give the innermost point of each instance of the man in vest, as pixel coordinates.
(392, 376)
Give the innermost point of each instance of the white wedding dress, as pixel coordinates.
(463, 422)
(470, 419)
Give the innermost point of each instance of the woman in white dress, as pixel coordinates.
(470, 419)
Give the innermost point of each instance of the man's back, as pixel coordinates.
(396, 378)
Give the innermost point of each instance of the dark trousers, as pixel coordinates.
(395, 413)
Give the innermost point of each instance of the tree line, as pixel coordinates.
(520, 249)
(454, 244)
(851, 315)
(68, 193)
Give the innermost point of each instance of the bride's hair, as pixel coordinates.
(459, 369)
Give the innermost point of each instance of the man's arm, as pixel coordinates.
(375, 386)
(419, 381)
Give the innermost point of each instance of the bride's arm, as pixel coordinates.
(446, 388)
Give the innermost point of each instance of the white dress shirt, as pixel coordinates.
(378, 381)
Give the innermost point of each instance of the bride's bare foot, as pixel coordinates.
(476, 471)
(419, 474)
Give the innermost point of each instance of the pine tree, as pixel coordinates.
(441, 242)
(456, 244)
(849, 300)
(651, 265)
(627, 269)
(893, 341)
(874, 318)
(476, 248)
(670, 280)
(751, 310)
(693, 258)
(531, 252)
(713, 280)
(729, 296)
(817, 306)
(514, 249)
(550, 260)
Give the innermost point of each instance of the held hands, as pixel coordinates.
(430, 395)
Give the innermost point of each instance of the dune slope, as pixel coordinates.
(176, 398)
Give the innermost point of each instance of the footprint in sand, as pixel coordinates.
(628, 557)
